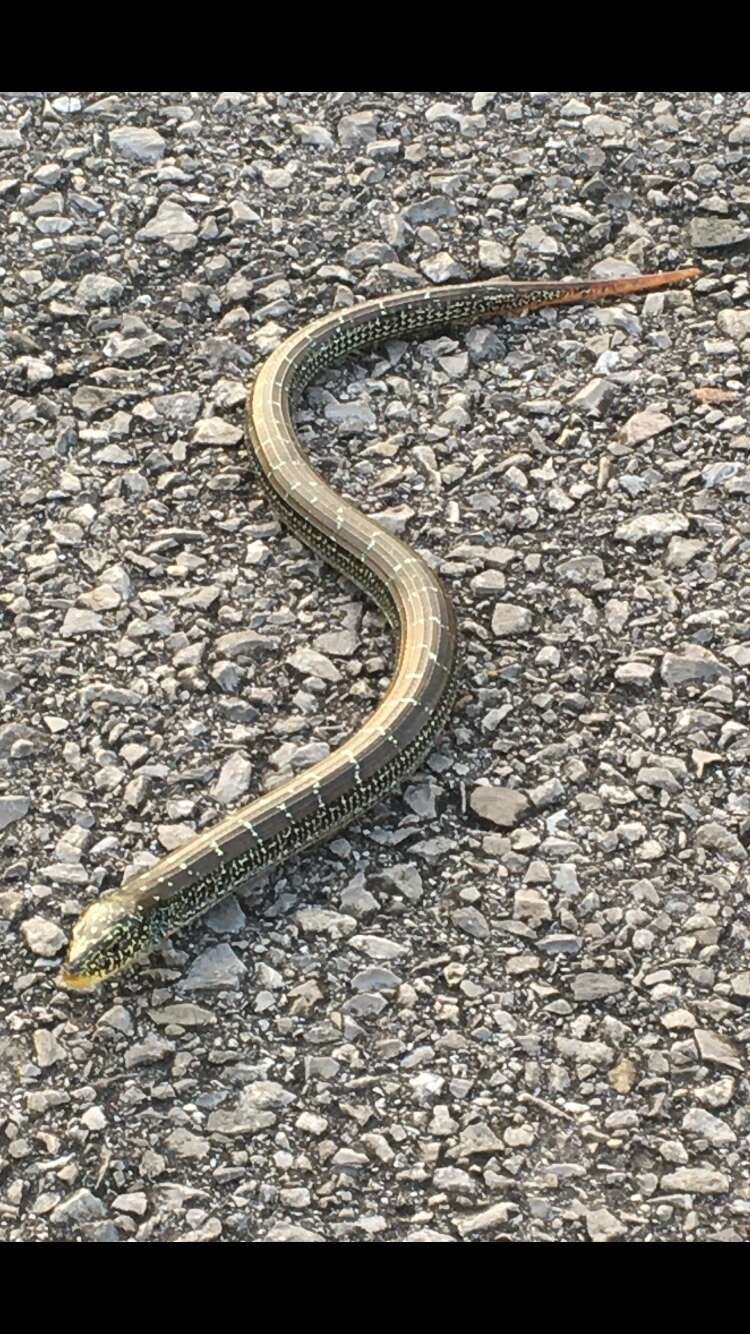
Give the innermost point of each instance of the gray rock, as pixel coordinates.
(716, 1049)
(717, 234)
(243, 644)
(740, 134)
(186, 1015)
(478, 1138)
(602, 1225)
(718, 839)
(79, 622)
(216, 969)
(311, 663)
(98, 289)
(137, 143)
(536, 241)
(605, 127)
(596, 986)
(184, 1144)
(358, 129)
(682, 550)
(634, 673)
(42, 937)
(80, 1207)
(234, 780)
(443, 268)
(702, 1123)
(434, 209)
(696, 1181)
(170, 221)
(734, 323)
(13, 808)
(317, 135)
(376, 979)
(644, 426)
(291, 1232)
(653, 527)
(492, 1219)
(472, 922)
(217, 431)
(502, 806)
(240, 1122)
(377, 947)
(581, 570)
(548, 793)
(595, 397)
(693, 665)
(508, 619)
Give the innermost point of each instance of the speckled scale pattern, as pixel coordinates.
(393, 740)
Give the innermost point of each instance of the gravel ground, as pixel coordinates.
(512, 1002)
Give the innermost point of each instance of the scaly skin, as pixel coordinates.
(126, 923)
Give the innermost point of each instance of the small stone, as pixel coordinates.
(477, 1138)
(735, 323)
(600, 126)
(186, 1015)
(81, 1207)
(502, 806)
(718, 839)
(601, 1225)
(234, 780)
(241, 644)
(693, 665)
(217, 431)
(548, 793)
(715, 1049)
(741, 132)
(376, 979)
(536, 241)
(48, 1051)
(291, 1232)
(443, 268)
(240, 1121)
(681, 550)
(643, 426)
(622, 1077)
(149, 1052)
(42, 937)
(472, 922)
(740, 984)
(581, 570)
(596, 986)
(712, 1128)
(377, 947)
(652, 527)
(718, 1094)
(531, 906)
(696, 1181)
(98, 289)
(508, 619)
(716, 233)
(137, 143)
(79, 622)
(215, 969)
(311, 663)
(634, 673)
(13, 809)
(171, 220)
(594, 397)
(495, 1217)
(134, 1202)
(183, 1144)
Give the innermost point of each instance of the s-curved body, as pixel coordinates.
(126, 923)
